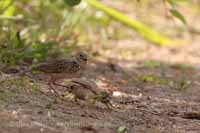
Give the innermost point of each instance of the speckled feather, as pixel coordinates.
(69, 65)
(62, 68)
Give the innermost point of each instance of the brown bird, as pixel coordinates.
(88, 90)
(62, 68)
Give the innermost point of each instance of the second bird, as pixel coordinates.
(63, 68)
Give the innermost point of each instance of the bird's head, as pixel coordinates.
(103, 97)
(82, 57)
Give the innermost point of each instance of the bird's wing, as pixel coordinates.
(87, 84)
(58, 66)
(69, 66)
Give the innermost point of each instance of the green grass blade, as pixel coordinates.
(147, 32)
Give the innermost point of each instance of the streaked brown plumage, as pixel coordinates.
(88, 90)
(63, 68)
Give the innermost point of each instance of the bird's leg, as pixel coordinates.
(54, 82)
(51, 83)
(61, 97)
(109, 105)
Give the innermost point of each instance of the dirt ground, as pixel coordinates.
(154, 89)
(148, 95)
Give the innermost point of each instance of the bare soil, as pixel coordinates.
(140, 106)
(154, 89)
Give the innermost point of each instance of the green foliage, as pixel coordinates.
(147, 32)
(7, 8)
(50, 26)
(173, 3)
(174, 11)
(41, 32)
(40, 50)
(12, 51)
(16, 50)
(154, 79)
(182, 67)
(178, 84)
(178, 15)
(147, 78)
(152, 64)
(72, 2)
